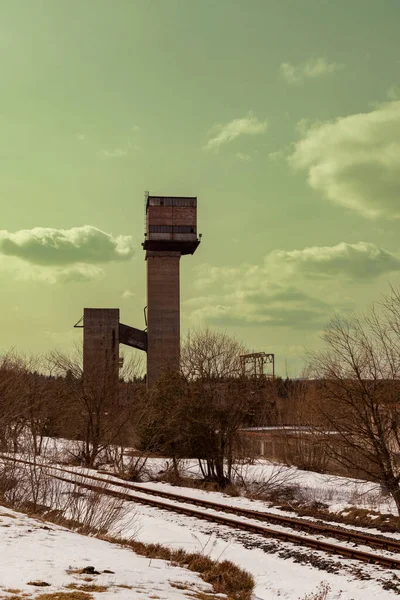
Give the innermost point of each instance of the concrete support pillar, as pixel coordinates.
(163, 313)
(101, 351)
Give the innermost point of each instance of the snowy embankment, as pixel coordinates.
(33, 552)
(335, 491)
(279, 569)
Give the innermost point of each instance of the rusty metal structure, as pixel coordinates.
(253, 365)
(171, 232)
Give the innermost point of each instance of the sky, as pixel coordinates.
(281, 116)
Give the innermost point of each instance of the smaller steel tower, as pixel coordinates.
(171, 232)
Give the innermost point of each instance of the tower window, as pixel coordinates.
(171, 229)
(169, 201)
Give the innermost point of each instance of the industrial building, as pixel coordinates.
(171, 232)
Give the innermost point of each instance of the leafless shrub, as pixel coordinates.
(28, 485)
(131, 467)
(95, 510)
(321, 593)
(33, 486)
(280, 480)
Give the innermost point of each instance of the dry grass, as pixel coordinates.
(321, 593)
(386, 523)
(179, 586)
(205, 596)
(83, 587)
(225, 577)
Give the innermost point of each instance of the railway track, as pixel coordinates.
(190, 507)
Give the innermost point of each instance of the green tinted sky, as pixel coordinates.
(282, 116)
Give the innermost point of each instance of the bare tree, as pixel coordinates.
(133, 366)
(199, 412)
(210, 354)
(12, 418)
(95, 409)
(359, 391)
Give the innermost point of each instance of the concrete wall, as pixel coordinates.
(101, 350)
(163, 313)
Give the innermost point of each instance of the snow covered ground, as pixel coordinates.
(35, 552)
(280, 570)
(337, 492)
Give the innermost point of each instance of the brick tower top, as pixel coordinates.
(171, 224)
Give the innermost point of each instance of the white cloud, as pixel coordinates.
(277, 291)
(47, 246)
(359, 261)
(355, 160)
(278, 307)
(22, 271)
(313, 68)
(127, 294)
(225, 133)
(61, 255)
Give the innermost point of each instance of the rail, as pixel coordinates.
(147, 497)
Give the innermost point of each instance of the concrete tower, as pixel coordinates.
(171, 232)
(101, 351)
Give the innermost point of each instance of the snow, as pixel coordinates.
(275, 576)
(280, 569)
(221, 499)
(34, 551)
(337, 492)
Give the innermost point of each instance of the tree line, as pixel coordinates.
(350, 398)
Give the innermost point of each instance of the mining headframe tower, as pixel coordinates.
(171, 232)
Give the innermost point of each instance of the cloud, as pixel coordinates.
(127, 294)
(280, 307)
(52, 247)
(359, 261)
(313, 68)
(277, 291)
(228, 132)
(355, 160)
(20, 270)
(353, 261)
(76, 274)
(61, 255)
